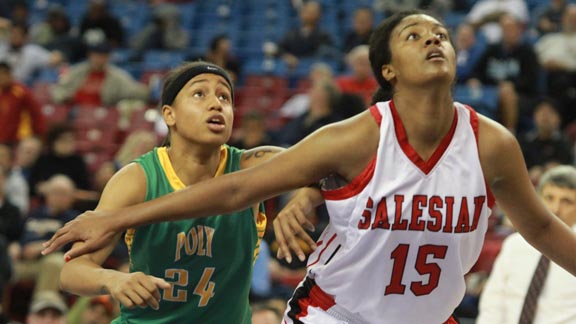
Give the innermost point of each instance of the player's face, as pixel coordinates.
(561, 201)
(202, 110)
(421, 52)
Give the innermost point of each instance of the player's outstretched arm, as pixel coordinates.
(506, 172)
(85, 275)
(337, 148)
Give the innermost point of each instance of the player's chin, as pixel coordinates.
(217, 139)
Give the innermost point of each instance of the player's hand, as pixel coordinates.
(292, 222)
(137, 289)
(95, 229)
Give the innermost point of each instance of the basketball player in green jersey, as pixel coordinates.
(188, 271)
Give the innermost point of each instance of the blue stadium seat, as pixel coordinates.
(156, 60)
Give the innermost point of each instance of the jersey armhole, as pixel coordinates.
(376, 114)
(474, 122)
(361, 181)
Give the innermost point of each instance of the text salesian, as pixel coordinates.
(421, 212)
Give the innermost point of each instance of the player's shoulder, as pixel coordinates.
(493, 138)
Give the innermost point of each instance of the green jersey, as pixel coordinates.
(208, 261)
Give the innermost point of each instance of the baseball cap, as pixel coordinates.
(48, 300)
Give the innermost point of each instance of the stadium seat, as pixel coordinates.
(158, 60)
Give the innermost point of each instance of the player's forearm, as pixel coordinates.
(557, 241)
(211, 197)
(81, 277)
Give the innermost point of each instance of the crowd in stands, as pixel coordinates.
(80, 84)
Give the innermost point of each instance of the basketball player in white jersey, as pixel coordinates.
(420, 175)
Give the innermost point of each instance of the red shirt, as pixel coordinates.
(364, 88)
(89, 93)
(19, 110)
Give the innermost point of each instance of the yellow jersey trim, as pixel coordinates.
(171, 175)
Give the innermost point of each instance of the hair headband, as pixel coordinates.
(178, 83)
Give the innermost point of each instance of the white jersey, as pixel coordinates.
(404, 232)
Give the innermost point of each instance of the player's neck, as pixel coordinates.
(426, 117)
(194, 164)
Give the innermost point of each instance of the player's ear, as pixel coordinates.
(169, 115)
(388, 72)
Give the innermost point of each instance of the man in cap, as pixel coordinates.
(47, 307)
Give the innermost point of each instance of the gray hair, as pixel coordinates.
(563, 176)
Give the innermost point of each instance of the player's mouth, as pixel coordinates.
(216, 123)
(434, 55)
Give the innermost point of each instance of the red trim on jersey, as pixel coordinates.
(376, 114)
(360, 182)
(324, 249)
(316, 298)
(451, 320)
(474, 121)
(425, 166)
(354, 187)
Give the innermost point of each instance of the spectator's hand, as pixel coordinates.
(474, 83)
(546, 24)
(289, 224)
(95, 229)
(137, 289)
(15, 251)
(5, 23)
(291, 60)
(56, 57)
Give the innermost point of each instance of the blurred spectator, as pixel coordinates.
(252, 132)
(360, 80)
(15, 186)
(362, 25)
(468, 52)
(5, 274)
(27, 152)
(546, 143)
(99, 25)
(40, 225)
(26, 59)
(298, 103)
(324, 97)
(163, 32)
(60, 158)
(507, 288)
(20, 112)
(485, 15)
(11, 226)
(89, 200)
(136, 144)
(437, 7)
(261, 287)
(262, 313)
(308, 40)
(54, 34)
(557, 54)
(93, 310)
(97, 82)
(512, 66)
(47, 308)
(220, 53)
(19, 11)
(550, 17)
